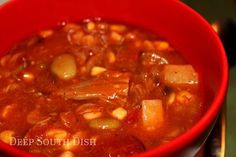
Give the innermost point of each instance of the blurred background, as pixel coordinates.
(222, 15)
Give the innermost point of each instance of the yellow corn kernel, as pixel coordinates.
(116, 37)
(90, 26)
(161, 45)
(58, 134)
(119, 113)
(96, 70)
(28, 76)
(92, 115)
(118, 28)
(111, 57)
(171, 98)
(6, 136)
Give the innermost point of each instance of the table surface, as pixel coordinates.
(213, 10)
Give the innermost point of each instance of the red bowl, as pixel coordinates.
(174, 21)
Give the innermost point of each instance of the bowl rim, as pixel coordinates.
(189, 136)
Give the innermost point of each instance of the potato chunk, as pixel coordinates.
(152, 114)
(179, 74)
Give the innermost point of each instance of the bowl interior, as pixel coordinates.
(181, 26)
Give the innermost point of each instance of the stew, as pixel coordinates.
(95, 89)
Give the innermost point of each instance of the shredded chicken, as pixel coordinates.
(108, 86)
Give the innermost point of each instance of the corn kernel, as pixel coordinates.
(97, 70)
(161, 45)
(6, 136)
(118, 28)
(111, 57)
(58, 134)
(171, 98)
(116, 37)
(28, 76)
(90, 26)
(119, 113)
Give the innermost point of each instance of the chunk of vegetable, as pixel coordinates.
(179, 74)
(119, 113)
(64, 66)
(105, 123)
(152, 114)
(96, 70)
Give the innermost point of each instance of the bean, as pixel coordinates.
(64, 66)
(6, 136)
(104, 123)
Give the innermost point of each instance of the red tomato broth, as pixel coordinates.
(42, 91)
